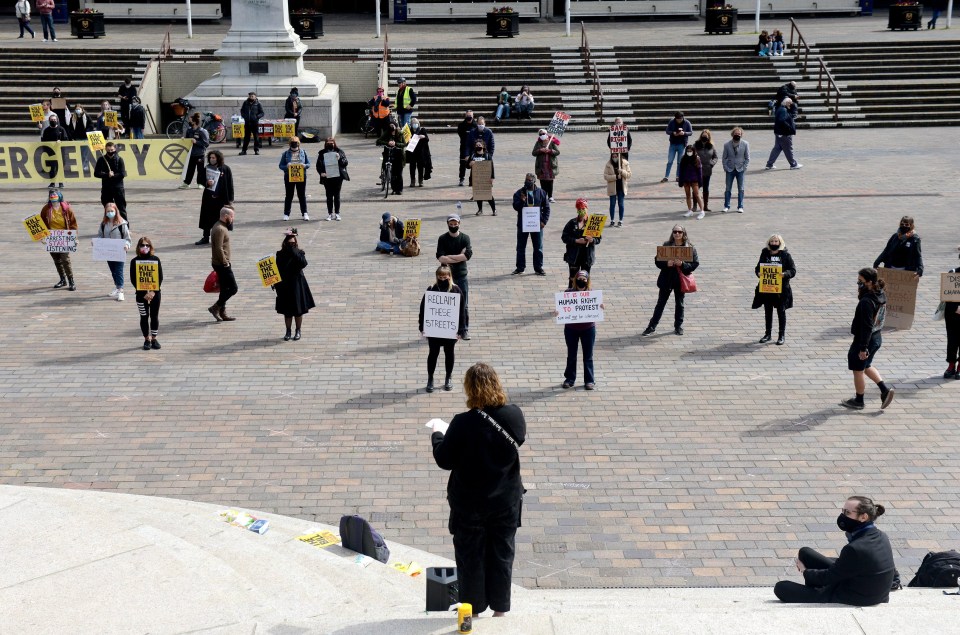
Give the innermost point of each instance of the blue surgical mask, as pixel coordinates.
(111, 215)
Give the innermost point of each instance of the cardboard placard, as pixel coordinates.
(148, 276)
(669, 252)
(62, 241)
(58, 103)
(950, 287)
(579, 306)
(296, 172)
(595, 225)
(482, 181)
(36, 113)
(411, 228)
(771, 279)
(441, 314)
(267, 268)
(558, 124)
(236, 130)
(109, 250)
(96, 141)
(110, 118)
(331, 164)
(531, 219)
(36, 227)
(618, 139)
(283, 129)
(901, 291)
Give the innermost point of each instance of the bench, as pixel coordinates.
(597, 8)
(438, 10)
(155, 11)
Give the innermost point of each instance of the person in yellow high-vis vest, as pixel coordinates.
(405, 102)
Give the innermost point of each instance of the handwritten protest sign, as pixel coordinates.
(62, 241)
(331, 164)
(950, 287)
(36, 227)
(36, 113)
(267, 267)
(58, 103)
(109, 249)
(411, 228)
(482, 173)
(618, 139)
(110, 118)
(283, 129)
(96, 140)
(579, 306)
(531, 219)
(413, 143)
(595, 225)
(441, 314)
(148, 276)
(901, 291)
(669, 252)
(296, 172)
(771, 279)
(558, 124)
(320, 539)
(236, 130)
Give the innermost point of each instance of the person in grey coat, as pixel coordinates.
(736, 158)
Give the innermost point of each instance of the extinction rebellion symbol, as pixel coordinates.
(171, 158)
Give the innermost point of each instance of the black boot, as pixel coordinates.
(765, 338)
(61, 284)
(780, 339)
(287, 336)
(430, 384)
(448, 384)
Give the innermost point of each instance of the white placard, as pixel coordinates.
(62, 241)
(531, 219)
(412, 144)
(618, 139)
(331, 164)
(441, 314)
(109, 249)
(579, 306)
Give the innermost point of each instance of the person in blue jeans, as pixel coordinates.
(530, 196)
(616, 173)
(580, 334)
(736, 158)
(679, 131)
(503, 104)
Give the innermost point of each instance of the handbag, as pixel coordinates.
(941, 309)
(688, 283)
(212, 283)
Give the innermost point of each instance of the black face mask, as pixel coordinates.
(229, 225)
(774, 247)
(736, 137)
(329, 146)
(453, 229)
(581, 284)
(905, 230)
(528, 185)
(443, 284)
(849, 525)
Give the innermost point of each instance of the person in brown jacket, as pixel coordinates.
(57, 214)
(616, 173)
(220, 259)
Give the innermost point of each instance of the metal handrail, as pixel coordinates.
(597, 88)
(831, 84)
(831, 87)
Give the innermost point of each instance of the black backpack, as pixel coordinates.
(939, 569)
(357, 535)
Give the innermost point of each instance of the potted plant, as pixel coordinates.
(504, 21)
(87, 23)
(307, 23)
(721, 19)
(905, 15)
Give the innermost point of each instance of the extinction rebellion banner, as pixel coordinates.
(74, 161)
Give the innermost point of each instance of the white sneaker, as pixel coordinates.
(197, 186)
(739, 210)
(120, 297)
(286, 217)
(44, 39)
(114, 293)
(770, 167)
(688, 214)
(796, 167)
(701, 215)
(336, 217)
(329, 216)
(183, 186)
(306, 217)
(55, 40)
(553, 200)
(726, 209)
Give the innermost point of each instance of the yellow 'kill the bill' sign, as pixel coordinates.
(296, 172)
(320, 539)
(267, 268)
(36, 113)
(110, 118)
(771, 279)
(148, 276)
(411, 228)
(237, 130)
(36, 227)
(595, 225)
(284, 129)
(96, 141)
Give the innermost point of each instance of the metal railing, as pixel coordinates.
(825, 80)
(597, 88)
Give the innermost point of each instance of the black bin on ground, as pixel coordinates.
(442, 588)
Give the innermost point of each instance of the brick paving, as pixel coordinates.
(701, 460)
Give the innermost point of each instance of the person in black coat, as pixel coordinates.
(863, 573)
(292, 109)
(126, 93)
(775, 253)
(332, 184)
(80, 124)
(464, 129)
(391, 235)
(420, 161)
(217, 194)
(903, 249)
(252, 113)
(581, 250)
(530, 196)
(444, 284)
(51, 134)
(951, 320)
(294, 299)
(866, 327)
(481, 448)
(669, 281)
(111, 171)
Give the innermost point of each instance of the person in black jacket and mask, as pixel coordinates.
(581, 250)
(481, 448)
(903, 249)
(866, 327)
(444, 284)
(863, 573)
(111, 170)
(252, 113)
(53, 133)
(776, 254)
(669, 281)
(951, 320)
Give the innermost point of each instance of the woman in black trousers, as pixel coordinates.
(775, 254)
(217, 194)
(669, 281)
(863, 573)
(294, 299)
(444, 284)
(332, 184)
(951, 320)
(148, 302)
(481, 448)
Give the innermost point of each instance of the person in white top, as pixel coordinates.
(23, 17)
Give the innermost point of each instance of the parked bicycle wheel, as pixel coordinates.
(175, 129)
(387, 178)
(366, 125)
(218, 132)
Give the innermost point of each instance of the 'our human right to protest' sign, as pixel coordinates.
(595, 225)
(109, 249)
(669, 252)
(62, 241)
(148, 276)
(36, 227)
(618, 139)
(267, 268)
(771, 279)
(558, 124)
(530, 219)
(36, 113)
(579, 306)
(950, 287)
(411, 228)
(441, 314)
(901, 291)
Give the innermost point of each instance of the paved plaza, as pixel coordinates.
(701, 460)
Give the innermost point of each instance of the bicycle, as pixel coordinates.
(212, 122)
(366, 123)
(386, 175)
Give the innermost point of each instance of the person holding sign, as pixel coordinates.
(546, 149)
(441, 314)
(419, 159)
(533, 212)
(200, 138)
(111, 170)
(54, 133)
(294, 164)
(580, 334)
(293, 109)
(294, 299)
(775, 269)
(616, 173)
(903, 249)
(113, 226)
(580, 254)
(216, 195)
(57, 214)
(329, 158)
(669, 281)
(867, 324)
(620, 130)
(481, 189)
(951, 320)
(148, 301)
(690, 178)
(220, 261)
(481, 448)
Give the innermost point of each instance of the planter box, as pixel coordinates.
(307, 25)
(723, 21)
(503, 24)
(87, 25)
(908, 17)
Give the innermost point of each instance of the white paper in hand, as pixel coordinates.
(438, 425)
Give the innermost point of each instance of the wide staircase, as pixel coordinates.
(85, 76)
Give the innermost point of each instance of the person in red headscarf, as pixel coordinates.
(580, 249)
